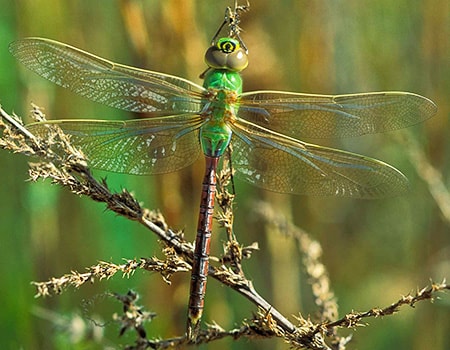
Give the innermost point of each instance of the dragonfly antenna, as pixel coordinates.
(232, 18)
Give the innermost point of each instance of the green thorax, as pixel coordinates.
(223, 79)
(225, 86)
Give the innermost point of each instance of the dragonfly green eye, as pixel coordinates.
(227, 45)
(226, 54)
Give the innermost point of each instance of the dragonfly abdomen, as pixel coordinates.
(200, 263)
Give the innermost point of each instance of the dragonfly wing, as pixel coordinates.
(103, 81)
(286, 165)
(321, 116)
(141, 146)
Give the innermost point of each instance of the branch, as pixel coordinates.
(353, 319)
(67, 166)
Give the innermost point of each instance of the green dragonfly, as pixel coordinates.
(185, 120)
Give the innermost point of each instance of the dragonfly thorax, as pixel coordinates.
(222, 79)
(224, 88)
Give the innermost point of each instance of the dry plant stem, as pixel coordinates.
(69, 169)
(106, 270)
(429, 174)
(319, 280)
(312, 253)
(66, 166)
(234, 253)
(353, 319)
(16, 123)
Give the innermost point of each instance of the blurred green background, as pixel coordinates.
(375, 251)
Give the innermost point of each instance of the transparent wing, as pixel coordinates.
(141, 146)
(321, 116)
(107, 82)
(286, 165)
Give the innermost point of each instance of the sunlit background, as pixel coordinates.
(375, 251)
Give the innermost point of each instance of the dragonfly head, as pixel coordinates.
(226, 53)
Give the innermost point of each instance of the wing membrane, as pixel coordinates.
(141, 146)
(321, 116)
(286, 165)
(103, 81)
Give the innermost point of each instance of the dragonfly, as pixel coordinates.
(185, 120)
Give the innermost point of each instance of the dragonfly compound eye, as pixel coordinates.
(226, 54)
(227, 45)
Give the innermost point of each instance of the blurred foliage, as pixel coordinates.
(375, 250)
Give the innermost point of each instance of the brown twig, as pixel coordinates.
(65, 165)
(353, 319)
